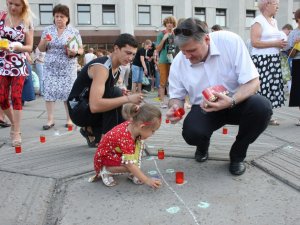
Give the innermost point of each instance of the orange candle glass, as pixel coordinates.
(225, 130)
(160, 154)
(18, 149)
(179, 177)
(179, 113)
(70, 127)
(42, 138)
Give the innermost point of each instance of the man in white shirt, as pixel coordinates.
(205, 60)
(89, 56)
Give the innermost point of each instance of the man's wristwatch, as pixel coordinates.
(233, 102)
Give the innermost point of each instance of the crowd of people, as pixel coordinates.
(104, 95)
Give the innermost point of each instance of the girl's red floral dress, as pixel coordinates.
(117, 147)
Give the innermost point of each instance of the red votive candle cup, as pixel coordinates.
(42, 138)
(18, 149)
(70, 127)
(179, 112)
(179, 177)
(225, 130)
(160, 154)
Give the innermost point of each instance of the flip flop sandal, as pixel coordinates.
(87, 135)
(107, 178)
(134, 179)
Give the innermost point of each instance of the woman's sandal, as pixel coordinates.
(107, 177)
(16, 139)
(87, 135)
(274, 123)
(134, 179)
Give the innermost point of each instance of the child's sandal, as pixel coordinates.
(107, 178)
(134, 179)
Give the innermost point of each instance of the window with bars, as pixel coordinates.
(221, 17)
(166, 11)
(200, 13)
(250, 15)
(144, 15)
(84, 14)
(108, 14)
(46, 17)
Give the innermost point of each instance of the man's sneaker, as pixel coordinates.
(200, 155)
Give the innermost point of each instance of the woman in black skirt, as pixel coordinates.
(294, 37)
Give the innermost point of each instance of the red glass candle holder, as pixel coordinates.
(160, 154)
(179, 177)
(208, 92)
(70, 127)
(179, 113)
(18, 149)
(48, 37)
(42, 138)
(225, 130)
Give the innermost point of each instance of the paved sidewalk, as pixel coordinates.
(47, 183)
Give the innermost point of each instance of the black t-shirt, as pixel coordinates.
(137, 58)
(83, 81)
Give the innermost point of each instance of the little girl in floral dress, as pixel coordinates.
(120, 151)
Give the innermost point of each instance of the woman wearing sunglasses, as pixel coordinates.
(206, 60)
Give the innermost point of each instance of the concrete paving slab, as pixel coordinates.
(210, 196)
(63, 155)
(170, 139)
(282, 163)
(24, 199)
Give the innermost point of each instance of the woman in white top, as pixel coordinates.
(267, 41)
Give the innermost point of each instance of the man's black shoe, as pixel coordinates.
(200, 155)
(237, 168)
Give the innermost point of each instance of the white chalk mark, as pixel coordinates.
(173, 210)
(175, 193)
(150, 158)
(170, 171)
(152, 172)
(203, 205)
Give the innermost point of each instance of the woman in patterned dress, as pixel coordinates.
(120, 149)
(60, 69)
(267, 41)
(294, 37)
(16, 27)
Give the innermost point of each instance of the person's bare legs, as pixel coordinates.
(139, 87)
(50, 112)
(133, 88)
(69, 121)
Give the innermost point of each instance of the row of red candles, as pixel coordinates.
(18, 148)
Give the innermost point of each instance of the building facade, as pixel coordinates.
(101, 21)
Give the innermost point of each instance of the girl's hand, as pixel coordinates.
(154, 183)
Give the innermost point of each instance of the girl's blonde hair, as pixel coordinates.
(26, 15)
(148, 114)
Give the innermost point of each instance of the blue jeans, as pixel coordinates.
(137, 74)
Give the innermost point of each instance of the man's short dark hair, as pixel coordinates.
(126, 39)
